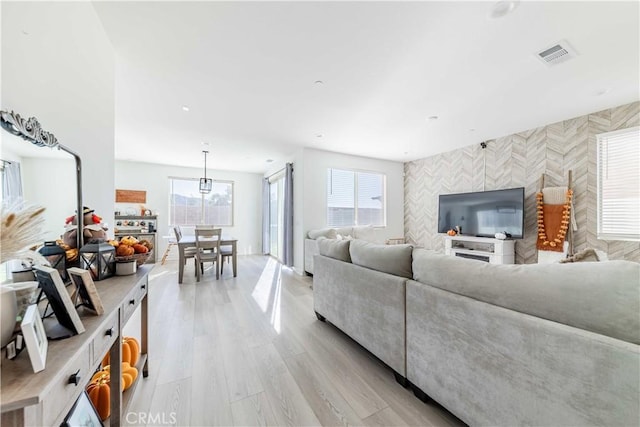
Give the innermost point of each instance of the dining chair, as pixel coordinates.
(189, 252)
(226, 252)
(207, 249)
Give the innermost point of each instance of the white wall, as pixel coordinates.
(62, 72)
(154, 179)
(310, 193)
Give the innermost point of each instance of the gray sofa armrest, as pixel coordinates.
(367, 305)
(310, 250)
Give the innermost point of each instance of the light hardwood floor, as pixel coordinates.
(249, 351)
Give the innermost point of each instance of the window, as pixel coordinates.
(187, 206)
(355, 198)
(619, 185)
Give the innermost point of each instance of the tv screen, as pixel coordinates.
(484, 213)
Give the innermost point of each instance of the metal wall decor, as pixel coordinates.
(30, 130)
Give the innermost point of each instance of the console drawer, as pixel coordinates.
(65, 391)
(108, 334)
(133, 299)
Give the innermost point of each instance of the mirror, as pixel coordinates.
(48, 171)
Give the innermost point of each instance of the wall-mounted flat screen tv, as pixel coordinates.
(483, 213)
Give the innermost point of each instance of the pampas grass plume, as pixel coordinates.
(21, 229)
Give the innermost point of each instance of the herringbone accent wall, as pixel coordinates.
(518, 161)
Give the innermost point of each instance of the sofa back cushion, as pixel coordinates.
(336, 249)
(367, 232)
(329, 233)
(601, 297)
(392, 259)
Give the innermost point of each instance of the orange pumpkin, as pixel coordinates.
(129, 240)
(129, 375)
(130, 350)
(140, 249)
(100, 394)
(124, 250)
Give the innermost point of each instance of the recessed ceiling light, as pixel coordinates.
(406, 152)
(318, 82)
(269, 160)
(319, 135)
(185, 108)
(472, 130)
(603, 91)
(433, 118)
(26, 33)
(205, 145)
(502, 8)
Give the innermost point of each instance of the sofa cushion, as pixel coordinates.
(395, 259)
(367, 232)
(336, 249)
(601, 297)
(329, 233)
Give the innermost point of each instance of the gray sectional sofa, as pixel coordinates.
(364, 232)
(552, 344)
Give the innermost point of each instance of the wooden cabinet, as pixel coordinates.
(140, 227)
(46, 397)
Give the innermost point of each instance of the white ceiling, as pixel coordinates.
(247, 70)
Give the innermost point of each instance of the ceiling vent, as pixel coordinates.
(556, 54)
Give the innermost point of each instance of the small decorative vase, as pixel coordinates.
(8, 313)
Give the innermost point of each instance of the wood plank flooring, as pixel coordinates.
(249, 351)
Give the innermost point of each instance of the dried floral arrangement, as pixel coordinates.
(21, 230)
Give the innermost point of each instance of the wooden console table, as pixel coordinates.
(45, 398)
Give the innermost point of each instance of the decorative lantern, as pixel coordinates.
(57, 257)
(99, 259)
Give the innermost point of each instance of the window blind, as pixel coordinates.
(355, 198)
(187, 206)
(618, 183)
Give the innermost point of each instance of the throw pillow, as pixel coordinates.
(329, 233)
(336, 249)
(395, 259)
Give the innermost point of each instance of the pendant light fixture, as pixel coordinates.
(205, 183)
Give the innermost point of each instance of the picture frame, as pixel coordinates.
(82, 413)
(35, 338)
(86, 290)
(60, 302)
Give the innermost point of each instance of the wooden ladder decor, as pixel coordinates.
(563, 228)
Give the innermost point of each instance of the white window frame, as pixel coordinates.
(202, 198)
(355, 183)
(629, 178)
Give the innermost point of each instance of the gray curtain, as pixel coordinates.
(288, 216)
(11, 182)
(265, 216)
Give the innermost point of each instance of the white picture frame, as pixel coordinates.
(35, 338)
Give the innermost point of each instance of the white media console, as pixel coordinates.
(486, 249)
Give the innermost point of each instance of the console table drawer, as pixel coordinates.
(103, 342)
(66, 389)
(133, 300)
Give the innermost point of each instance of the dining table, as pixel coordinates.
(189, 241)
